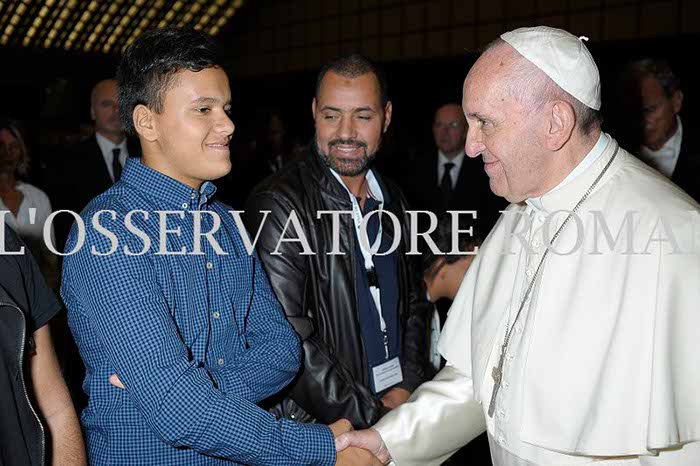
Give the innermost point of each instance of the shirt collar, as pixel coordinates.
(106, 145)
(167, 189)
(664, 158)
(373, 187)
(590, 158)
(457, 161)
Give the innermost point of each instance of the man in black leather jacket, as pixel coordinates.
(362, 317)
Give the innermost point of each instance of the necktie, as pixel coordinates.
(446, 182)
(116, 166)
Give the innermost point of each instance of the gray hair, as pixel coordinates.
(657, 69)
(533, 88)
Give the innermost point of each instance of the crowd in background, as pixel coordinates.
(41, 175)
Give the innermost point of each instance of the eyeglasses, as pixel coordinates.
(450, 125)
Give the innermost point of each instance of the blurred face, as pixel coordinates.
(659, 113)
(450, 130)
(442, 280)
(105, 109)
(190, 138)
(502, 131)
(10, 152)
(350, 121)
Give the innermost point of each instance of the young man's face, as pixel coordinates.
(193, 130)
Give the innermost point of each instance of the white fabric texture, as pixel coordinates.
(561, 56)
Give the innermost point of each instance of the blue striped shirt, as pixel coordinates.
(197, 339)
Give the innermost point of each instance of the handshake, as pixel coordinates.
(358, 448)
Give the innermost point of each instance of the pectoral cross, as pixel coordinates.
(497, 374)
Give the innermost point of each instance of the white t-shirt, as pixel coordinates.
(33, 211)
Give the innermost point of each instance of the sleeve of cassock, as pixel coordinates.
(440, 417)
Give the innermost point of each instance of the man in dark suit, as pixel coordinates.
(447, 180)
(653, 100)
(93, 165)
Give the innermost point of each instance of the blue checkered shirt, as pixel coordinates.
(197, 339)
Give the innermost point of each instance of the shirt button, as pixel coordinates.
(535, 243)
(506, 385)
(541, 218)
(210, 265)
(510, 356)
(184, 205)
(529, 273)
(501, 413)
(501, 440)
(216, 314)
(193, 196)
(220, 361)
(519, 328)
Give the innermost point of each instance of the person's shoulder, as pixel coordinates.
(289, 183)
(641, 188)
(36, 194)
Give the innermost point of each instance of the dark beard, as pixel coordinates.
(355, 169)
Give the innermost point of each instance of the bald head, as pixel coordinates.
(104, 109)
(450, 130)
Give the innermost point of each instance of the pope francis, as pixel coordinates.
(575, 336)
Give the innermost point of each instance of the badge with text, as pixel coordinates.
(387, 375)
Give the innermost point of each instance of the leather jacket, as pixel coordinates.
(26, 446)
(317, 292)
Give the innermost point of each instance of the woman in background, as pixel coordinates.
(26, 206)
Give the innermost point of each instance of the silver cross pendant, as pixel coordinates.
(497, 374)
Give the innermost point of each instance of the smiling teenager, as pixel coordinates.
(180, 348)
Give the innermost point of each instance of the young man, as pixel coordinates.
(179, 347)
(46, 429)
(360, 314)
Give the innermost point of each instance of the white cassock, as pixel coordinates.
(604, 362)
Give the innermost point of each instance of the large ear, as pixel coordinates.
(561, 121)
(144, 123)
(677, 101)
(388, 108)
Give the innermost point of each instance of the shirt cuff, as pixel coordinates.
(317, 446)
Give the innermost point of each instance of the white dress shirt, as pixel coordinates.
(106, 146)
(35, 200)
(665, 159)
(454, 172)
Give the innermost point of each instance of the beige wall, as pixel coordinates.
(294, 35)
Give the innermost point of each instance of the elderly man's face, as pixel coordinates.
(659, 113)
(450, 129)
(105, 108)
(349, 120)
(503, 131)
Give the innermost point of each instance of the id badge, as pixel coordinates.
(387, 375)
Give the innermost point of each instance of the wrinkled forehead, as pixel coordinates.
(488, 79)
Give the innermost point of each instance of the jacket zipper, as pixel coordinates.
(24, 386)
